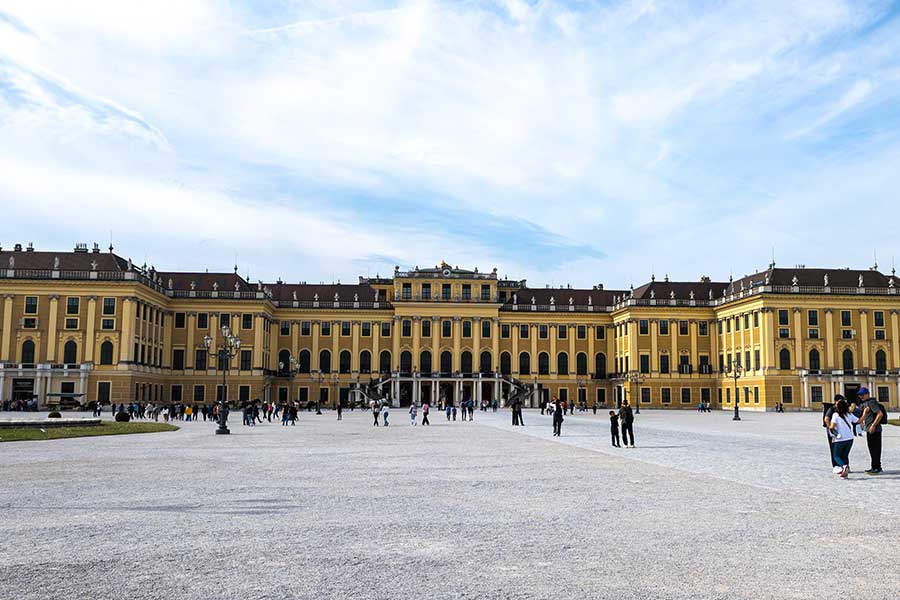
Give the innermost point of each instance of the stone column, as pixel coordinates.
(336, 351)
(673, 332)
(798, 340)
(7, 327)
(52, 327)
(573, 356)
(864, 351)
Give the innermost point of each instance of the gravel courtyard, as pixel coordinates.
(702, 508)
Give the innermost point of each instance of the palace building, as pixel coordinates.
(88, 325)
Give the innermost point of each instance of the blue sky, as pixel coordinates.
(566, 142)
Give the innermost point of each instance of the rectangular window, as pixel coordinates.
(787, 394)
(202, 321)
(200, 360)
(756, 360)
(406, 328)
(109, 306)
(244, 393)
(812, 318)
(467, 291)
(682, 327)
(784, 332)
(783, 317)
(523, 331)
(879, 318)
(600, 332)
(664, 363)
(467, 329)
(728, 326)
(107, 324)
(685, 395)
(816, 393)
(103, 392)
(224, 320)
(31, 305)
(883, 393)
(71, 323)
(719, 325)
(703, 328)
(813, 334)
(746, 321)
(504, 332)
(645, 395)
(845, 319)
(644, 327)
(846, 334)
(485, 328)
(73, 305)
(246, 321)
(345, 328)
(426, 291)
(645, 363)
(446, 329)
(485, 292)
(445, 291)
(284, 328)
(543, 332)
(366, 329)
(246, 360)
(664, 327)
(747, 359)
(756, 319)
(737, 323)
(199, 393)
(746, 395)
(581, 332)
(406, 293)
(704, 396)
(178, 359)
(179, 320)
(879, 334)
(665, 395)
(326, 327)
(562, 332)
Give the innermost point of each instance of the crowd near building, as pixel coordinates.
(87, 325)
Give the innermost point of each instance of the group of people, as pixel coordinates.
(841, 420)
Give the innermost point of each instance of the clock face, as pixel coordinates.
(446, 272)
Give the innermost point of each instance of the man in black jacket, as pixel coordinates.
(627, 417)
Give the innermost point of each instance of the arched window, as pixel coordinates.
(524, 364)
(70, 353)
(446, 362)
(815, 362)
(406, 362)
(581, 364)
(284, 363)
(28, 352)
(784, 359)
(848, 360)
(600, 366)
(505, 363)
(486, 365)
(304, 360)
(562, 363)
(106, 353)
(465, 362)
(325, 361)
(384, 362)
(345, 360)
(881, 361)
(365, 362)
(425, 361)
(543, 363)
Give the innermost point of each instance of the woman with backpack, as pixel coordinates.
(841, 427)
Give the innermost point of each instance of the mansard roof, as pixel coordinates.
(62, 261)
(680, 290)
(560, 296)
(205, 282)
(324, 292)
(837, 278)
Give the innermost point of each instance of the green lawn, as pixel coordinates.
(105, 428)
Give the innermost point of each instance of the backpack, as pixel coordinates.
(884, 414)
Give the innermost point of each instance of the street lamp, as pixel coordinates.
(320, 378)
(290, 369)
(735, 370)
(637, 379)
(227, 350)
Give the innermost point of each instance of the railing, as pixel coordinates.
(430, 274)
(526, 307)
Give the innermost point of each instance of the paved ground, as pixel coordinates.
(703, 508)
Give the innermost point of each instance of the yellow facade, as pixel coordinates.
(91, 326)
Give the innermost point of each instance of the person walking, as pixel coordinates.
(385, 411)
(412, 414)
(462, 410)
(447, 410)
(559, 410)
(340, 411)
(827, 414)
(626, 416)
(842, 422)
(614, 428)
(471, 410)
(425, 408)
(872, 417)
(376, 412)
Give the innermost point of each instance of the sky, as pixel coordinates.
(566, 142)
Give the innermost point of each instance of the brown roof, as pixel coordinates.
(68, 261)
(308, 292)
(663, 290)
(204, 282)
(580, 297)
(814, 278)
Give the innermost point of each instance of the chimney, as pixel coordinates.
(30, 247)
(81, 248)
(17, 248)
(96, 248)
(599, 286)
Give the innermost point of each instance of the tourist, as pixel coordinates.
(873, 415)
(294, 411)
(494, 405)
(188, 413)
(385, 411)
(165, 414)
(627, 417)
(447, 409)
(471, 410)
(559, 409)
(285, 416)
(827, 413)
(842, 422)
(614, 428)
(594, 407)
(412, 414)
(462, 410)
(376, 412)
(340, 411)
(425, 408)
(453, 411)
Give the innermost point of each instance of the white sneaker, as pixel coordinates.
(836, 470)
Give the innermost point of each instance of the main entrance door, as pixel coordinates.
(22, 389)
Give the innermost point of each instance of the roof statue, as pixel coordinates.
(571, 301)
(356, 297)
(891, 282)
(170, 283)
(55, 263)
(767, 279)
(742, 285)
(672, 294)
(93, 265)
(590, 301)
(259, 285)
(215, 286)
(826, 279)
(552, 300)
(515, 298)
(130, 265)
(294, 295)
(532, 300)
(692, 294)
(376, 295)
(652, 294)
(193, 285)
(237, 286)
(860, 280)
(794, 281)
(444, 264)
(12, 262)
(710, 294)
(335, 296)
(316, 297)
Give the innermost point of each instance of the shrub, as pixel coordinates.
(54, 415)
(122, 417)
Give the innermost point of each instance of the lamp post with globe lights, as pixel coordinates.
(224, 352)
(734, 369)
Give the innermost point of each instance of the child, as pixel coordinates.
(412, 414)
(614, 428)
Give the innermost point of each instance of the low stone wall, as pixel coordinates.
(46, 423)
